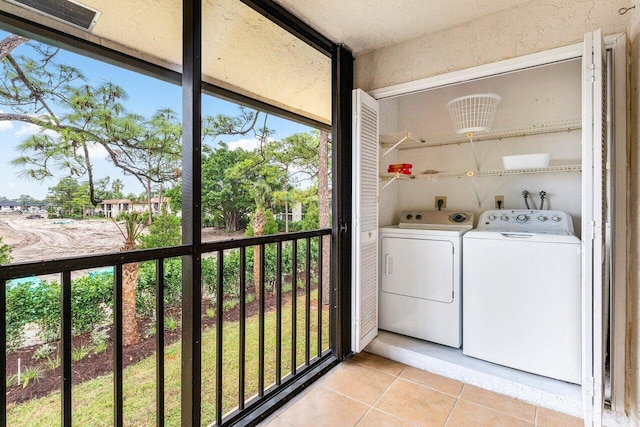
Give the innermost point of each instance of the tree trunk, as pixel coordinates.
(324, 210)
(286, 201)
(258, 222)
(148, 189)
(130, 334)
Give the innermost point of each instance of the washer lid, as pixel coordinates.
(436, 220)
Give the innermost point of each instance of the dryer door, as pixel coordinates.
(417, 268)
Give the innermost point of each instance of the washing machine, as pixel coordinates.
(420, 275)
(522, 292)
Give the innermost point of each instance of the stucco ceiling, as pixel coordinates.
(365, 25)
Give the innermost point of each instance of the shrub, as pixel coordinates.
(271, 227)
(5, 253)
(146, 287)
(164, 231)
(43, 351)
(79, 353)
(38, 302)
(29, 374)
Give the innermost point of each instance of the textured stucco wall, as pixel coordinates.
(531, 27)
(525, 29)
(633, 293)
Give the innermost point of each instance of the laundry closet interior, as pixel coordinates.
(541, 111)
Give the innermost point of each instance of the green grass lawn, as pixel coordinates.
(93, 400)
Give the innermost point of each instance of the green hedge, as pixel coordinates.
(92, 295)
(39, 303)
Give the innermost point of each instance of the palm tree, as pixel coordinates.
(258, 222)
(117, 186)
(133, 226)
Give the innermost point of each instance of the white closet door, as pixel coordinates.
(594, 135)
(365, 221)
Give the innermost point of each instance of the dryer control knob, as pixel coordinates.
(409, 216)
(542, 218)
(492, 217)
(555, 218)
(504, 218)
(522, 218)
(419, 217)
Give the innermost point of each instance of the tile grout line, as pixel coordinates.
(454, 405)
(503, 412)
(380, 397)
(535, 419)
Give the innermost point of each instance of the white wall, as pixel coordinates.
(536, 96)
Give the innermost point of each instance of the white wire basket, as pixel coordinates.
(473, 113)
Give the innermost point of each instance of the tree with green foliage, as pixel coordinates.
(133, 226)
(162, 232)
(5, 253)
(70, 196)
(225, 193)
(116, 187)
(75, 117)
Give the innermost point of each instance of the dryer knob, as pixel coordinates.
(492, 217)
(522, 218)
(418, 217)
(504, 218)
(409, 216)
(542, 218)
(555, 218)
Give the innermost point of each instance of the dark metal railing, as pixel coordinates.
(65, 267)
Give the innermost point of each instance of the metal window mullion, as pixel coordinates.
(160, 342)
(191, 354)
(278, 313)
(219, 332)
(65, 309)
(320, 277)
(3, 341)
(242, 333)
(118, 401)
(294, 305)
(261, 323)
(307, 309)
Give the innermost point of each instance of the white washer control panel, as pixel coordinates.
(525, 220)
(434, 219)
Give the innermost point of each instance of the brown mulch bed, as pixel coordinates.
(101, 364)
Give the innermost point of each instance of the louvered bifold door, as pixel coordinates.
(594, 139)
(365, 221)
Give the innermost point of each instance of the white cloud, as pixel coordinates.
(5, 125)
(97, 151)
(28, 129)
(247, 144)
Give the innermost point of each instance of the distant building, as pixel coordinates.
(112, 208)
(9, 206)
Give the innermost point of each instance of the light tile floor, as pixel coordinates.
(370, 390)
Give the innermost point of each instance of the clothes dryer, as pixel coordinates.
(420, 277)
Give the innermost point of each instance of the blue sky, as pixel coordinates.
(146, 95)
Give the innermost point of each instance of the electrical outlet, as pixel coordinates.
(499, 204)
(444, 202)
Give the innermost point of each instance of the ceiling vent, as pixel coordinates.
(63, 10)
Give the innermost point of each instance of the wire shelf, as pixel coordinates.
(392, 139)
(471, 174)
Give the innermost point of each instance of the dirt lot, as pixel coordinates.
(46, 239)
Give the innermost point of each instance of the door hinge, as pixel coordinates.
(592, 69)
(343, 228)
(588, 386)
